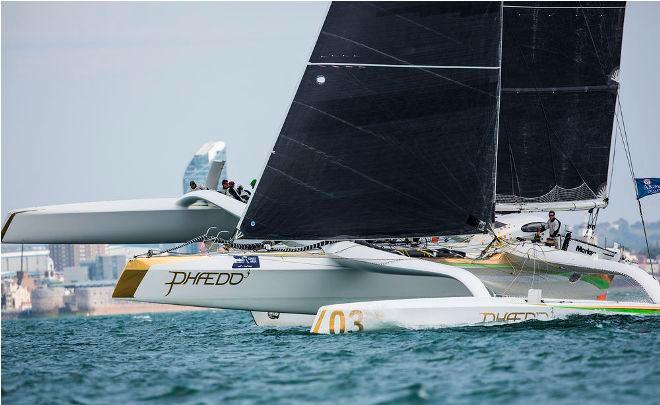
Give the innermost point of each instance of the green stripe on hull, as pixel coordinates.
(593, 279)
(648, 311)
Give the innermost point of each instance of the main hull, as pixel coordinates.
(283, 283)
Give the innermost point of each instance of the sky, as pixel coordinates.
(104, 101)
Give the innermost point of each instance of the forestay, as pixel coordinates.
(559, 66)
(393, 128)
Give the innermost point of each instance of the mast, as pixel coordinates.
(499, 101)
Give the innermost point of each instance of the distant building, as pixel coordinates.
(34, 261)
(200, 165)
(105, 267)
(47, 300)
(91, 298)
(76, 274)
(111, 266)
(15, 297)
(72, 255)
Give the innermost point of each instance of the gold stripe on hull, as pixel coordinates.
(134, 272)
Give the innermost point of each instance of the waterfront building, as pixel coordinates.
(47, 299)
(92, 298)
(33, 262)
(202, 162)
(15, 297)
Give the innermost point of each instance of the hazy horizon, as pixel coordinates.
(104, 101)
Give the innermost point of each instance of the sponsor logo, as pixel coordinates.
(647, 182)
(274, 315)
(245, 262)
(203, 278)
(586, 251)
(512, 316)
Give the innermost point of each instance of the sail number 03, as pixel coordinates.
(338, 321)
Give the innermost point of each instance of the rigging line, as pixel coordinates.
(625, 148)
(625, 133)
(512, 162)
(646, 238)
(632, 173)
(406, 62)
(514, 172)
(586, 22)
(628, 157)
(609, 186)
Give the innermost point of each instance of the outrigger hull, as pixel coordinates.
(433, 313)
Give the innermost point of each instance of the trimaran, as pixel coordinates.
(412, 126)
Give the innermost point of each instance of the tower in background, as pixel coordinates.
(208, 165)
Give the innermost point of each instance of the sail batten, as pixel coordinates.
(399, 66)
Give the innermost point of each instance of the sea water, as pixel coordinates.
(222, 357)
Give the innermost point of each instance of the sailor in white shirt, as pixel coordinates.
(553, 226)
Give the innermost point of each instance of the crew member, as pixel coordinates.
(243, 193)
(225, 187)
(553, 225)
(231, 191)
(193, 186)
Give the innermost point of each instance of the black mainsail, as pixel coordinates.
(392, 131)
(559, 65)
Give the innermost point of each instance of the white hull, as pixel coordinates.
(427, 313)
(281, 283)
(159, 220)
(530, 255)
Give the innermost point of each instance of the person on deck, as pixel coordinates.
(225, 187)
(195, 187)
(243, 193)
(231, 191)
(553, 226)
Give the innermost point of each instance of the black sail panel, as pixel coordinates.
(386, 151)
(417, 33)
(559, 65)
